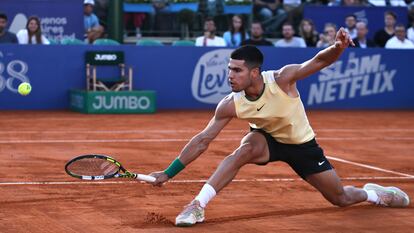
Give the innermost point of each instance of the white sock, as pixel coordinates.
(206, 194)
(371, 196)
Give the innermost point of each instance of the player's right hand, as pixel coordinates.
(343, 39)
(160, 177)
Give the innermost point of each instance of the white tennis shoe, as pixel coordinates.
(389, 196)
(192, 214)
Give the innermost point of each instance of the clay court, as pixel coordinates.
(38, 196)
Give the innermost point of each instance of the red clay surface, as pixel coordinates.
(34, 147)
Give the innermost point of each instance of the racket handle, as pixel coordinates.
(145, 178)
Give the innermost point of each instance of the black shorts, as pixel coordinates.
(305, 159)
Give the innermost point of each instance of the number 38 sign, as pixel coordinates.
(12, 74)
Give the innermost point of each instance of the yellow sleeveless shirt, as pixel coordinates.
(276, 113)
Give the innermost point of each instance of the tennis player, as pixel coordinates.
(280, 131)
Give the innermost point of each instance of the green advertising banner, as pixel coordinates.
(113, 102)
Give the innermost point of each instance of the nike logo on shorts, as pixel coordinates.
(320, 163)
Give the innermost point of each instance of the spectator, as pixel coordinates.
(137, 20)
(289, 40)
(270, 13)
(345, 3)
(210, 38)
(256, 37)
(210, 8)
(5, 35)
(237, 32)
(410, 31)
(93, 30)
(411, 13)
(382, 36)
(160, 5)
(100, 9)
(308, 32)
(387, 2)
(399, 41)
(294, 10)
(266, 9)
(334, 3)
(361, 40)
(162, 17)
(328, 37)
(32, 34)
(289, 5)
(350, 23)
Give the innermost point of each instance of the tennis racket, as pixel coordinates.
(100, 167)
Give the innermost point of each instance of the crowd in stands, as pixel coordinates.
(31, 34)
(281, 21)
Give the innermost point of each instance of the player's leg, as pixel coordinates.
(309, 162)
(253, 149)
(329, 184)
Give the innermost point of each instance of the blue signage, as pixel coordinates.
(196, 77)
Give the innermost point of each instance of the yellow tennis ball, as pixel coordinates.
(24, 88)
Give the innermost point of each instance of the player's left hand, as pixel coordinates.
(343, 39)
(161, 178)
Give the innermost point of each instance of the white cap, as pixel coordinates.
(92, 2)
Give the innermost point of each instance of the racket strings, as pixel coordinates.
(93, 167)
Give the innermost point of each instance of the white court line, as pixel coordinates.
(364, 138)
(190, 181)
(121, 131)
(370, 167)
(41, 141)
(365, 130)
(192, 131)
(218, 139)
(100, 140)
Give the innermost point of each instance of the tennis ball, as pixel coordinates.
(24, 88)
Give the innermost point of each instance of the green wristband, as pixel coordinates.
(175, 167)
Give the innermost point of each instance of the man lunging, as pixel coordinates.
(280, 131)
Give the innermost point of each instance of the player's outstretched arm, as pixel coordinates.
(293, 72)
(225, 111)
